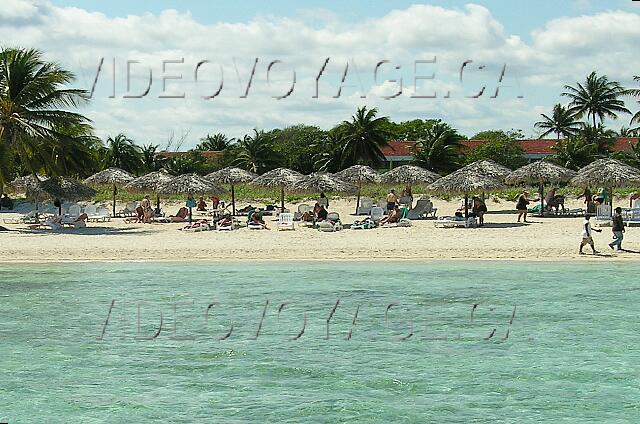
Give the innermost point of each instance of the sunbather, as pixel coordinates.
(322, 213)
(256, 219)
(202, 205)
(393, 217)
(139, 218)
(148, 211)
(6, 202)
(181, 215)
(478, 209)
(222, 221)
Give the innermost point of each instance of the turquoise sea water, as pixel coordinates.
(571, 355)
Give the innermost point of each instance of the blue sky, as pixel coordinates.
(545, 44)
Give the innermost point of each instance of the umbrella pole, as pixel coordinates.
(466, 206)
(358, 199)
(115, 190)
(541, 200)
(281, 199)
(233, 201)
(189, 214)
(158, 203)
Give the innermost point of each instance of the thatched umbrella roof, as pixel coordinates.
(359, 174)
(409, 174)
(231, 175)
(28, 182)
(489, 168)
(279, 177)
(466, 180)
(149, 182)
(540, 172)
(62, 188)
(191, 184)
(608, 173)
(320, 182)
(110, 176)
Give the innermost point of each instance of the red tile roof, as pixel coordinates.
(530, 146)
(398, 148)
(209, 154)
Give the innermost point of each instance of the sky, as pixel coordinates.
(167, 70)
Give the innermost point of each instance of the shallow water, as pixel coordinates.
(571, 354)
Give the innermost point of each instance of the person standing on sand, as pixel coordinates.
(618, 230)
(586, 235)
(392, 200)
(523, 205)
(146, 207)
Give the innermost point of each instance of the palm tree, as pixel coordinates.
(602, 138)
(365, 136)
(216, 142)
(635, 92)
(151, 161)
(330, 150)
(628, 132)
(123, 153)
(81, 152)
(255, 153)
(574, 153)
(439, 149)
(562, 122)
(597, 98)
(34, 104)
(631, 156)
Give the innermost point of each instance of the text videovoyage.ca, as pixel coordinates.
(188, 320)
(208, 79)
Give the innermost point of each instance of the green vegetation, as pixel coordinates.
(41, 133)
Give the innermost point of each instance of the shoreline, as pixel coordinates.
(501, 239)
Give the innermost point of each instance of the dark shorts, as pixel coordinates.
(390, 205)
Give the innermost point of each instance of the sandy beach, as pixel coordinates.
(501, 238)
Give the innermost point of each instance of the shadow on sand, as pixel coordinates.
(88, 231)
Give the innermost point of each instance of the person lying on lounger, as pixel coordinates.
(222, 221)
(393, 217)
(181, 215)
(139, 218)
(256, 219)
(322, 213)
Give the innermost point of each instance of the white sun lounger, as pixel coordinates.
(454, 221)
(285, 221)
(331, 224)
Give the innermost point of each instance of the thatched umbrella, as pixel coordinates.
(409, 175)
(540, 173)
(112, 176)
(489, 168)
(30, 184)
(63, 188)
(190, 184)
(150, 182)
(608, 173)
(232, 176)
(359, 174)
(320, 182)
(465, 181)
(27, 182)
(279, 177)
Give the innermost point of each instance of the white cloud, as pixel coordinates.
(562, 51)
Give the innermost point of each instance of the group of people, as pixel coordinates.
(617, 230)
(476, 208)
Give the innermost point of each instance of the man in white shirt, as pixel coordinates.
(586, 235)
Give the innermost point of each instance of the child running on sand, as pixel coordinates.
(586, 235)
